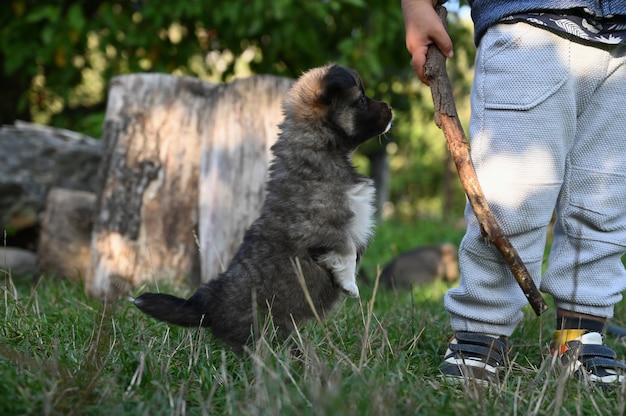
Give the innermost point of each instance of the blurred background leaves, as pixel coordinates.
(57, 56)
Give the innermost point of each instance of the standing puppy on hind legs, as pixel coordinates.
(317, 211)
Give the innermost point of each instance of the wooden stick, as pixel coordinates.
(447, 120)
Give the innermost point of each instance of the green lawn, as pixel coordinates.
(62, 353)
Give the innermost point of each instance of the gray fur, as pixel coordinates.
(308, 214)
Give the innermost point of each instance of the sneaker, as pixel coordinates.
(584, 355)
(473, 356)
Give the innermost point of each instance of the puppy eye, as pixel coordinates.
(362, 99)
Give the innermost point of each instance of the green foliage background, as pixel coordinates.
(56, 58)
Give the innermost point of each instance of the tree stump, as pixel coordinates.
(242, 125)
(147, 211)
(182, 160)
(65, 236)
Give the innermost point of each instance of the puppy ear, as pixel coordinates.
(336, 80)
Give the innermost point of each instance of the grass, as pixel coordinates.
(63, 353)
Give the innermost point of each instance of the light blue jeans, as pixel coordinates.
(548, 134)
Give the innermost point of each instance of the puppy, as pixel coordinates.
(314, 224)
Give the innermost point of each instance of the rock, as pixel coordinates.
(65, 238)
(17, 262)
(35, 158)
(420, 266)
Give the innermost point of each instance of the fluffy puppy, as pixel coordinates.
(317, 215)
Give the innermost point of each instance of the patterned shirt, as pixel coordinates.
(579, 23)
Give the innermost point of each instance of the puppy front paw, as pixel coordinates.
(350, 289)
(342, 268)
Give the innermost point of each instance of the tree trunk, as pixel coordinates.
(147, 211)
(242, 124)
(66, 234)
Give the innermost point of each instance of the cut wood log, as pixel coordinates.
(447, 119)
(242, 124)
(147, 211)
(183, 161)
(65, 236)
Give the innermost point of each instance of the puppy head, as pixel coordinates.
(331, 99)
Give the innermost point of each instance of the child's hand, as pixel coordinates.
(423, 27)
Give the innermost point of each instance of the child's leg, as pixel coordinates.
(585, 273)
(523, 122)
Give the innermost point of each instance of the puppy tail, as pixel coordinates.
(173, 310)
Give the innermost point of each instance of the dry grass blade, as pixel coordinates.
(295, 262)
(300, 275)
(370, 312)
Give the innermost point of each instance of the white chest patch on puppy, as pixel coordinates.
(361, 202)
(343, 264)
